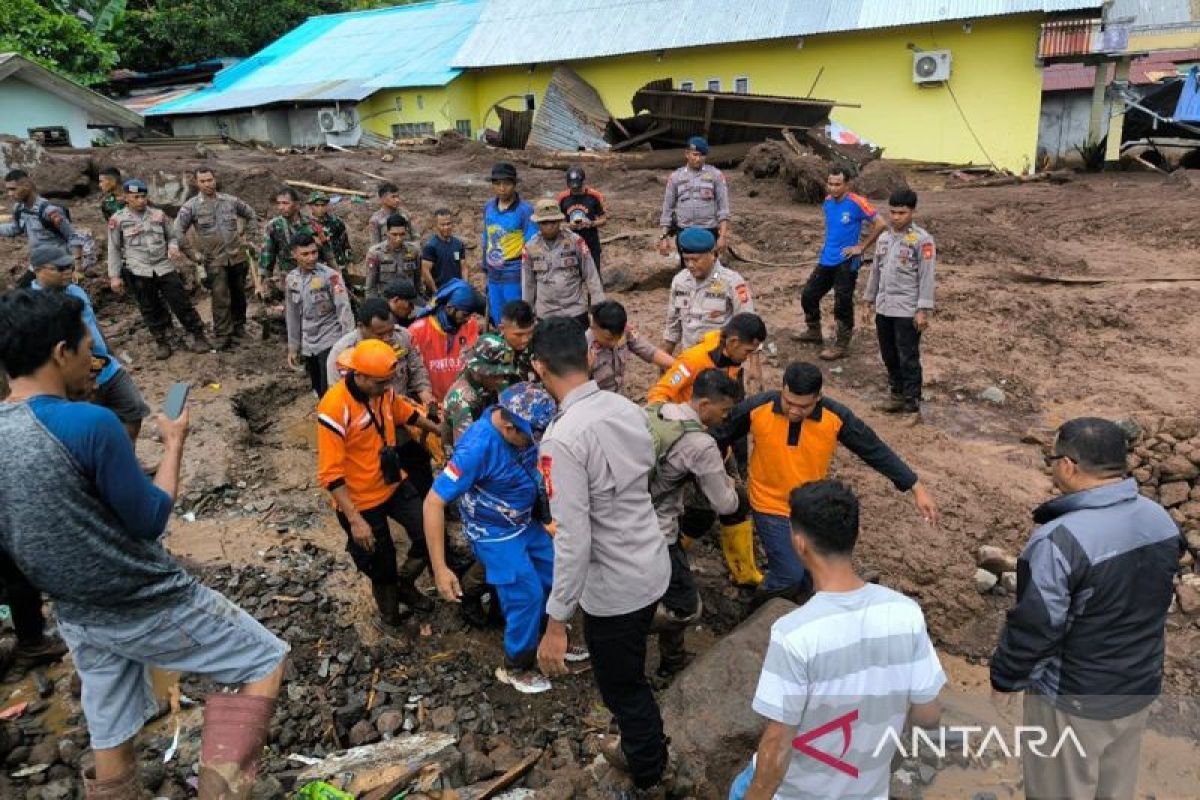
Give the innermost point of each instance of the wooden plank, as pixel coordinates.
(316, 187)
(708, 115)
(492, 787)
(774, 126)
(790, 138)
(640, 138)
(755, 98)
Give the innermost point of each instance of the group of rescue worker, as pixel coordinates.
(506, 408)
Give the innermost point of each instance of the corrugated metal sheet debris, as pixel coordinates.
(343, 57)
(571, 115)
(537, 31)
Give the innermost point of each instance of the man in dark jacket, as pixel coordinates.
(1085, 639)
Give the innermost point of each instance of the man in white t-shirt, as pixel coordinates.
(852, 663)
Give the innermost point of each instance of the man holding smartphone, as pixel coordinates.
(123, 603)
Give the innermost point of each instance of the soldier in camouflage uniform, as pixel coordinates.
(490, 367)
(276, 254)
(110, 184)
(516, 326)
(339, 238)
(219, 220)
(398, 256)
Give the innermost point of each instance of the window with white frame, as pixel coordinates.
(687, 86)
(714, 84)
(741, 85)
(463, 126)
(412, 130)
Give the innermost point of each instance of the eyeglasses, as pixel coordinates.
(1051, 459)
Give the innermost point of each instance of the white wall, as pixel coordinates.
(280, 127)
(24, 106)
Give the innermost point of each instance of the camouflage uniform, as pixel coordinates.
(377, 225)
(339, 239)
(466, 398)
(109, 205)
(385, 265)
(277, 243)
(218, 221)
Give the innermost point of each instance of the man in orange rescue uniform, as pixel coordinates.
(796, 431)
(357, 461)
(726, 349)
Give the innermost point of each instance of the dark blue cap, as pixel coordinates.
(134, 186)
(699, 144)
(696, 240)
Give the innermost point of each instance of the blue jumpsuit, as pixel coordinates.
(495, 485)
(504, 236)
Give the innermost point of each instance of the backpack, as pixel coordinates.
(40, 210)
(665, 433)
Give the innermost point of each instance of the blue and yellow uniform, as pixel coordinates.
(505, 233)
(496, 487)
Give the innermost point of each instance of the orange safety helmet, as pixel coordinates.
(343, 361)
(374, 359)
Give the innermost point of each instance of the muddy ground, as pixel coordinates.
(1122, 348)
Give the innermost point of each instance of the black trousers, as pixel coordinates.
(682, 596)
(404, 506)
(841, 279)
(314, 367)
(159, 296)
(25, 602)
(414, 460)
(900, 348)
(618, 648)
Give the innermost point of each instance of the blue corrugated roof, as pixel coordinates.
(343, 57)
(557, 31)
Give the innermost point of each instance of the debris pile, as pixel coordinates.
(804, 168)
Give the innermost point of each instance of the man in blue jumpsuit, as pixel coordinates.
(493, 476)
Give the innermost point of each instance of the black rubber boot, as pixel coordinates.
(392, 612)
(407, 585)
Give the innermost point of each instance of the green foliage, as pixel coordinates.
(1092, 152)
(56, 40)
(157, 34)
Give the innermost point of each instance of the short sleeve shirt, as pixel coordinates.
(447, 258)
(494, 483)
(843, 226)
(846, 661)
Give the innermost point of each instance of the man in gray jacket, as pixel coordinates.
(610, 558)
(687, 453)
(1085, 639)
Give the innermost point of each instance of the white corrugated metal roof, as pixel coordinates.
(539, 31)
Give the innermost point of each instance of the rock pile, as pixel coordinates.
(997, 571)
(1165, 461)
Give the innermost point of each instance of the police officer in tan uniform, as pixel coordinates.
(141, 244)
(696, 197)
(219, 220)
(397, 256)
(317, 309)
(704, 295)
(558, 275)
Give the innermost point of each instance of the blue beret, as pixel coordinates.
(134, 186)
(696, 240)
(699, 144)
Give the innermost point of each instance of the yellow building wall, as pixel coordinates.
(994, 76)
(1182, 38)
(441, 105)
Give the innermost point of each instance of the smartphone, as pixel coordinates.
(176, 399)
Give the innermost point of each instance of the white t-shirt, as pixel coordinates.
(844, 668)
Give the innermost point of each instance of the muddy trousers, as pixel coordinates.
(618, 649)
(841, 279)
(228, 286)
(404, 506)
(1108, 768)
(683, 601)
(900, 349)
(521, 569)
(25, 602)
(160, 296)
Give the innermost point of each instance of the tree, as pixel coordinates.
(55, 40)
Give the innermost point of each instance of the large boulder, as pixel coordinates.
(17, 153)
(707, 709)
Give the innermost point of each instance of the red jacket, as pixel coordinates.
(442, 353)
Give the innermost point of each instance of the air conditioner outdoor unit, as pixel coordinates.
(332, 120)
(931, 66)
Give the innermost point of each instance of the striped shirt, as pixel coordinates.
(844, 668)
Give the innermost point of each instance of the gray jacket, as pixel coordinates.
(609, 555)
(317, 309)
(559, 278)
(695, 198)
(694, 454)
(901, 282)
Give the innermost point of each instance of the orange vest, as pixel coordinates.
(675, 386)
(442, 353)
(348, 442)
(787, 454)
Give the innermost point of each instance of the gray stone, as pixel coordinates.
(1009, 581)
(44, 752)
(995, 559)
(443, 717)
(267, 788)
(153, 773)
(389, 722)
(477, 766)
(904, 786)
(61, 789)
(706, 710)
(984, 580)
(993, 394)
(362, 733)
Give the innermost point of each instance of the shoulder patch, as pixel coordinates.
(545, 465)
(743, 292)
(114, 222)
(927, 250)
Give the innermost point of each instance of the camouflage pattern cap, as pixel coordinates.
(492, 356)
(531, 407)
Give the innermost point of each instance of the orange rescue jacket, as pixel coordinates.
(675, 386)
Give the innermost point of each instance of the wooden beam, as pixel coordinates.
(708, 115)
(770, 98)
(657, 130)
(790, 138)
(737, 123)
(316, 187)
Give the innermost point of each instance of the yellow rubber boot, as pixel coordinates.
(737, 543)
